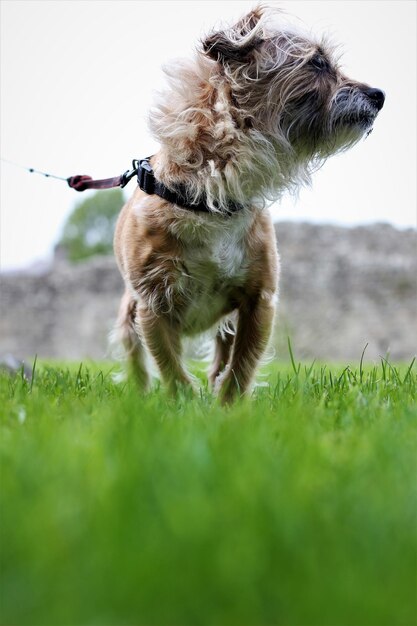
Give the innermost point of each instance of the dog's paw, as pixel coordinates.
(187, 385)
(217, 381)
(119, 377)
(226, 387)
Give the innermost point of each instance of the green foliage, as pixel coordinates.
(90, 227)
(296, 506)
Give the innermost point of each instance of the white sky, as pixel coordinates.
(77, 79)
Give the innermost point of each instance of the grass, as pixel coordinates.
(296, 507)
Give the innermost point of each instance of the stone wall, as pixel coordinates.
(345, 287)
(341, 288)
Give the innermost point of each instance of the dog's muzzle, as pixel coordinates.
(357, 107)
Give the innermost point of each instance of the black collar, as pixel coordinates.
(148, 183)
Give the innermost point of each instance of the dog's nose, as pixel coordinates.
(376, 96)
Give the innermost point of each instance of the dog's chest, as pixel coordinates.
(213, 269)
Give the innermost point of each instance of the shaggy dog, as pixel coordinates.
(252, 115)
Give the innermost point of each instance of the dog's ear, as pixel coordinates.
(236, 43)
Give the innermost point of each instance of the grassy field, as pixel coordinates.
(296, 507)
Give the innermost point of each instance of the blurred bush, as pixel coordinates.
(89, 229)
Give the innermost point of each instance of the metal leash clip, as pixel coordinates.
(129, 174)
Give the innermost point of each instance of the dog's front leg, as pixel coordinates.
(163, 341)
(253, 331)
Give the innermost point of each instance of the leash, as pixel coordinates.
(32, 170)
(81, 182)
(146, 181)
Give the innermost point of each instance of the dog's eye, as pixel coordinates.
(319, 62)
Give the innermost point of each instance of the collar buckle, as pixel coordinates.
(146, 179)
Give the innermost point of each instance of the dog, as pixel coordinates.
(257, 110)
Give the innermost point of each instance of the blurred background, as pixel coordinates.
(77, 81)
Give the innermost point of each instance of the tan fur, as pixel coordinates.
(249, 117)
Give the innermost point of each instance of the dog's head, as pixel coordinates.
(288, 86)
(256, 111)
